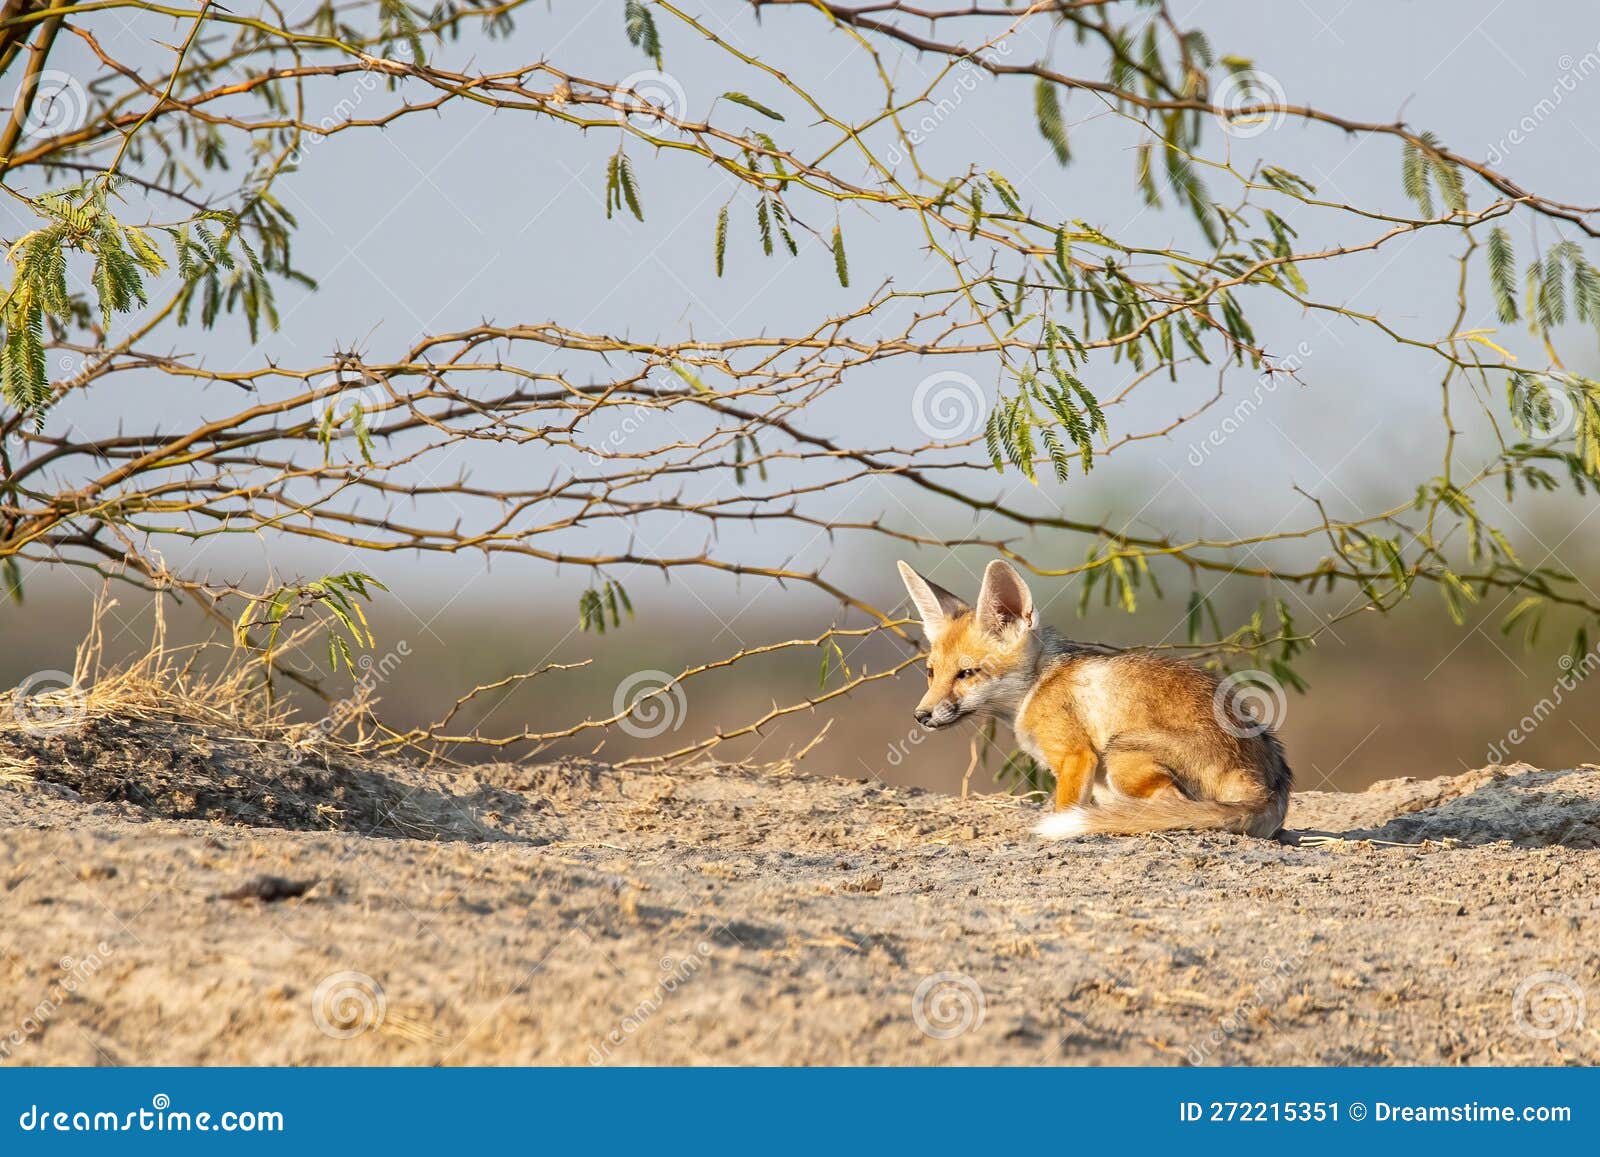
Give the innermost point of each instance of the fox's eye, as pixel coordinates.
(966, 672)
(930, 674)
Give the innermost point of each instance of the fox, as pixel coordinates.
(1138, 742)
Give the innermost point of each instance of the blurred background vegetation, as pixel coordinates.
(433, 224)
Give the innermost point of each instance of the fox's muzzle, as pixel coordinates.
(941, 716)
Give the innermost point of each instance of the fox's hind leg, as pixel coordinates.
(1162, 782)
(1128, 772)
(1139, 773)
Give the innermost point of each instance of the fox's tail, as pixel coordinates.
(1126, 815)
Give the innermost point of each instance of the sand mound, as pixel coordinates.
(239, 907)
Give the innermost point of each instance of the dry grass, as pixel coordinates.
(224, 689)
(198, 732)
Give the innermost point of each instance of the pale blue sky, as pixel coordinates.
(441, 221)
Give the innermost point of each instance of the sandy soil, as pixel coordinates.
(169, 896)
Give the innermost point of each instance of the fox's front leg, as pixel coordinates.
(1074, 768)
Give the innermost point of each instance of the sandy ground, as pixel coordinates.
(170, 897)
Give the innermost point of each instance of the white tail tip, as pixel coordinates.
(1063, 825)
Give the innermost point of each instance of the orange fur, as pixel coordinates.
(1138, 775)
(1137, 742)
(1075, 779)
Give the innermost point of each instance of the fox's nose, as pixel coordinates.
(922, 716)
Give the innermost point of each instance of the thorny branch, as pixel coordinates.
(362, 452)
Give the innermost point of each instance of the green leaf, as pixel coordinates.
(1186, 183)
(721, 245)
(1585, 290)
(1286, 182)
(1052, 127)
(1063, 250)
(24, 380)
(840, 265)
(397, 23)
(1522, 610)
(603, 606)
(690, 378)
(1457, 595)
(1007, 193)
(1447, 178)
(764, 225)
(621, 187)
(780, 218)
(1502, 270)
(1414, 172)
(630, 190)
(752, 103)
(1551, 291)
(641, 28)
(1578, 652)
(11, 573)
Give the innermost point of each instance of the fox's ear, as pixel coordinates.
(1005, 600)
(936, 605)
